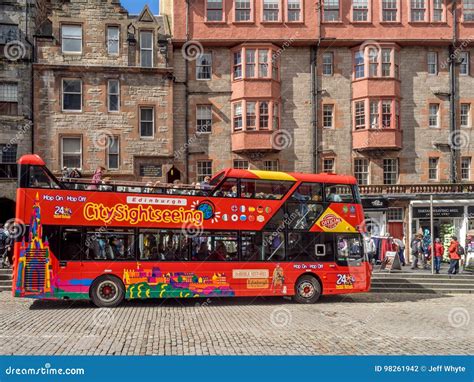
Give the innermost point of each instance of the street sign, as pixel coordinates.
(438, 212)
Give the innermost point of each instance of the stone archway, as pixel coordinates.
(7, 210)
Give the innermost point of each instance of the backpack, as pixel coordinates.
(415, 246)
(460, 250)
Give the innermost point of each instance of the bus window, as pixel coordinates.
(160, 245)
(39, 178)
(228, 189)
(274, 246)
(110, 245)
(71, 244)
(349, 249)
(264, 189)
(310, 246)
(308, 192)
(252, 248)
(339, 193)
(215, 246)
(303, 215)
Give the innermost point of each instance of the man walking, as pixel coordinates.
(5, 247)
(416, 250)
(454, 256)
(438, 254)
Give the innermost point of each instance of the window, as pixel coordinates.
(264, 189)
(349, 251)
(276, 116)
(71, 152)
(204, 118)
(113, 40)
(465, 115)
(390, 171)
(146, 49)
(331, 10)
(386, 114)
(373, 62)
(243, 10)
(263, 63)
(359, 68)
(8, 99)
(214, 10)
(237, 65)
(271, 165)
(72, 95)
(238, 122)
(437, 11)
(360, 10)
(114, 95)
(339, 193)
(389, 10)
(359, 115)
(464, 67)
(8, 153)
(71, 36)
(418, 10)
(275, 66)
(271, 10)
(433, 168)
(204, 169)
(466, 168)
(118, 245)
(241, 164)
(395, 214)
(163, 245)
(263, 108)
(251, 116)
(386, 62)
(113, 155)
(204, 66)
(329, 165)
(250, 63)
(434, 115)
(294, 10)
(432, 63)
(468, 10)
(374, 115)
(147, 122)
(328, 116)
(70, 243)
(328, 62)
(361, 171)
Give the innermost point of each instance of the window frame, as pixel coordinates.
(110, 27)
(366, 10)
(467, 115)
(207, 9)
(140, 108)
(325, 64)
(11, 106)
(109, 94)
(289, 10)
(240, 9)
(81, 151)
(464, 168)
(466, 64)
(384, 9)
(434, 64)
(199, 66)
(7, 149)
(438, 116)
(325, 169)
(63, 94)
(332, 9)
(116, 138)
(358, 174)
(433, 168)
(72, 52)
(325, 116)
(199, 174)
(151, 49)
(209, 126)
(359, 115)
(280, 11)
(271, 165)
(239, 164)
(413, 10)
(470, 12)
(396, 161)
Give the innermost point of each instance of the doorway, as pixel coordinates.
(7, 210)
(173, 175)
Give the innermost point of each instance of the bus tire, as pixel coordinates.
(307, 290)
(107, 291)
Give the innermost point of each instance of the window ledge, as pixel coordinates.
(271, 22)
(243, 22)
(215, 22)
(332, 22)
(390, 23)
(72, 111)
(361, 22)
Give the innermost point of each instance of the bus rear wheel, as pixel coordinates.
(307, 290)
(107, 292)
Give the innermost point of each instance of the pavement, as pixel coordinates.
(350, 324)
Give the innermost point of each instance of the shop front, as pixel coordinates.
(375, 210)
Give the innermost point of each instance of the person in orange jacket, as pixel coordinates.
(454, 256)
(438, 254)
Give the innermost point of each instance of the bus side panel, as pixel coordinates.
(22, 220)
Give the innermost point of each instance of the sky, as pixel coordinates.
(136, 6)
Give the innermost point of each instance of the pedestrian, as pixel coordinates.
(426, 242)
(97, 178)
(455, 250)
(400, 249)
(5, 247)
(438, 254)
(416, 250)
(206, 183)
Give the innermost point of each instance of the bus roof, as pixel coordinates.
(289, 176)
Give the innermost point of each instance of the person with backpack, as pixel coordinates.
(5, 247)
(416, 250)
(455, 253)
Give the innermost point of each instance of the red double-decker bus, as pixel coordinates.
(249, 233)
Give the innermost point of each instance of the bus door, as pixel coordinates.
(68, 267)
(349, 266)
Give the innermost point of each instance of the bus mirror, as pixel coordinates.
(320, 250)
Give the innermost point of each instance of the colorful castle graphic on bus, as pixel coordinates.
(34, 273)
(145, 283)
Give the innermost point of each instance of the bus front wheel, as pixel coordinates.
(307, 290)
(107, 292)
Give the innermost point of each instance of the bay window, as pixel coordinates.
(257, 115)
(359, 115)
(237, 65)
(250, 63)
(359, 66)
(256, 63)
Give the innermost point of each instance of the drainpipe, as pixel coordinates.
(452, 98)
(32, 93)
(315, 96)
(186, 103)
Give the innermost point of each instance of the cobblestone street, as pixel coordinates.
(358, 324)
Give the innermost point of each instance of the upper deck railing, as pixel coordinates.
(432, 188)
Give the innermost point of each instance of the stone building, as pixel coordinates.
(104, 91)
(17, 26)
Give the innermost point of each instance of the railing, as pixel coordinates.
(8, 171)
(453, 188)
